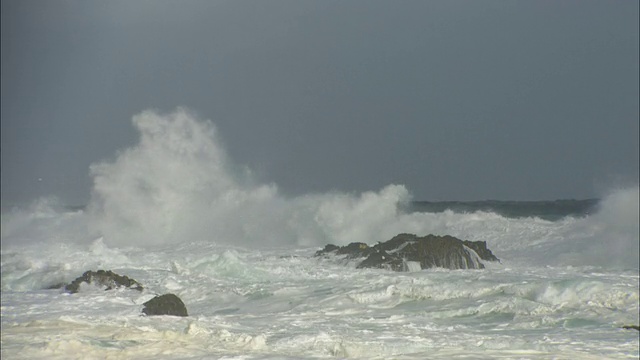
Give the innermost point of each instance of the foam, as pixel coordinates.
(178, 186)
(298, 308)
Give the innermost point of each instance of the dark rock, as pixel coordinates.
(355, 250)
(439, 251)
(382, 259)
(429, 251)
(108, 279)
(480, 247)
(167, 304)
(329, 248)
(631, 327)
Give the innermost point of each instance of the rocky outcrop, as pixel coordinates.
(480, 247)
(405, 251)
(167, 304)
(107, 279)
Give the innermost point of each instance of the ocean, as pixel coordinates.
(176, 214)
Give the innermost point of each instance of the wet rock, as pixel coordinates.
(328, 249)
(429, 251)
(167, 304)
(631, 327)
(107, 279)
(353, 250)
(480, 247)
(382, 259)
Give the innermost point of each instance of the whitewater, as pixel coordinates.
(175, 213)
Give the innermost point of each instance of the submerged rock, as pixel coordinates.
(167, 304)
(429, 251)
(108, 279)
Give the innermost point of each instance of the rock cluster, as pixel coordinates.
(404, 250)
(167, 304)
(108, 279)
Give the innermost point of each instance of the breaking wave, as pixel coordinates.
(177, 185)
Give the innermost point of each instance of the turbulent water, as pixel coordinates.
(175, 214)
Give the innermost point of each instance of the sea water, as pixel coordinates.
(175, 214)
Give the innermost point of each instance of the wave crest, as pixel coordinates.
(178, 185)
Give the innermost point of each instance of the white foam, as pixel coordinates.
(174, 213)
(300, 308)
(178, 186)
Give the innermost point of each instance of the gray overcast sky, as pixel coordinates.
(458, 100)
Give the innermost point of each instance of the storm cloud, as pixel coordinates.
(456, 100)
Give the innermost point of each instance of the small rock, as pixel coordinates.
(167, 304)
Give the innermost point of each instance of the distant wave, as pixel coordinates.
(547, 210)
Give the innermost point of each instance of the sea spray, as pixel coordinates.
(565, 288)
(46, 219)
(178, 185)
(611, 237)
(169, 187)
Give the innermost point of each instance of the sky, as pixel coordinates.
(456, 100)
